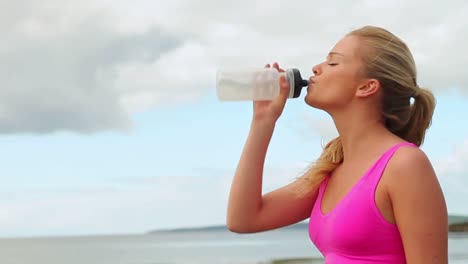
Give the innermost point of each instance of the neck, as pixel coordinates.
(358, 132)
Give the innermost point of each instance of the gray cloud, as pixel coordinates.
(87, 65)
(249, 34)
(61, 77)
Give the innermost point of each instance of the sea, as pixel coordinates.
(182, 247)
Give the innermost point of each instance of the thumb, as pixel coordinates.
(280, 101)
(284, 87)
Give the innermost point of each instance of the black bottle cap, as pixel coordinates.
(299, 83)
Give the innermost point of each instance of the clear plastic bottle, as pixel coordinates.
(255, 84)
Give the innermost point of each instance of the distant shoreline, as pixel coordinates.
(457, 224)
(215, 228)
(459, 227)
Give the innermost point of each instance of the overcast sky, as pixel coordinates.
(109, 122)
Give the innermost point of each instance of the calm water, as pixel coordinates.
(175, 248)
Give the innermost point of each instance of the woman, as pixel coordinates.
(372, 196)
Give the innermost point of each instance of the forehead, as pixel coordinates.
(347, 46)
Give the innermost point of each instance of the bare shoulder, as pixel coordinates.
(418, 206)
(412, 175)
(410, 161)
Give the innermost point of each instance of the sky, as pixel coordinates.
(110, 124)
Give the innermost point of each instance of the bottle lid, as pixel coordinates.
(296, 83)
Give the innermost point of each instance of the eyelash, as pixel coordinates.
(332, 64)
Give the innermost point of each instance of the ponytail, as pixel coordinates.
(420, 117)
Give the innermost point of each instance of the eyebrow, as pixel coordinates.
(335, 53)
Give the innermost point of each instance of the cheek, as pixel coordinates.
(334, 88)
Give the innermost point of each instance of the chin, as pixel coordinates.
(314, 102)
(311, 100)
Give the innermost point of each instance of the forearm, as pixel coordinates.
(245, 200)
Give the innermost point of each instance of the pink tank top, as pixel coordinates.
(354, 231)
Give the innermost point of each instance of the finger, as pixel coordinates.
(276, 65)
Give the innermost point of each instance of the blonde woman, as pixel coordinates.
(372, 196)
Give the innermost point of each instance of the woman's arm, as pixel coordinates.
(249, 210)
(419, 207)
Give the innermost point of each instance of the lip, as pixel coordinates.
(311, 81)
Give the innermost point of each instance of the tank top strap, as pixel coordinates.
(379, 167)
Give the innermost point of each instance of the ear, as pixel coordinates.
(368, 88)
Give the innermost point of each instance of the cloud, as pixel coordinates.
(452, 171)
(255, 33)
(86, 66)
(126, 205)
(456, 162)
(58, 73)
(169, 79)
(321, 125)
(312, 126)
(107, 208)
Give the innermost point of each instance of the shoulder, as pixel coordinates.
(409, 159)
(418, 206)
(408, 170)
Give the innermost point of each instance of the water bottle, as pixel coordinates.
(256, 84)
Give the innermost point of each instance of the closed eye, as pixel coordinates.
(332, 64)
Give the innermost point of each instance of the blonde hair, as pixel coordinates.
(387, 59)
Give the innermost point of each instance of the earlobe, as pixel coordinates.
(368, 88)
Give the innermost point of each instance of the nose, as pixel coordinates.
(316, 69)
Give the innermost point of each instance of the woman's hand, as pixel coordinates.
(271, 110)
